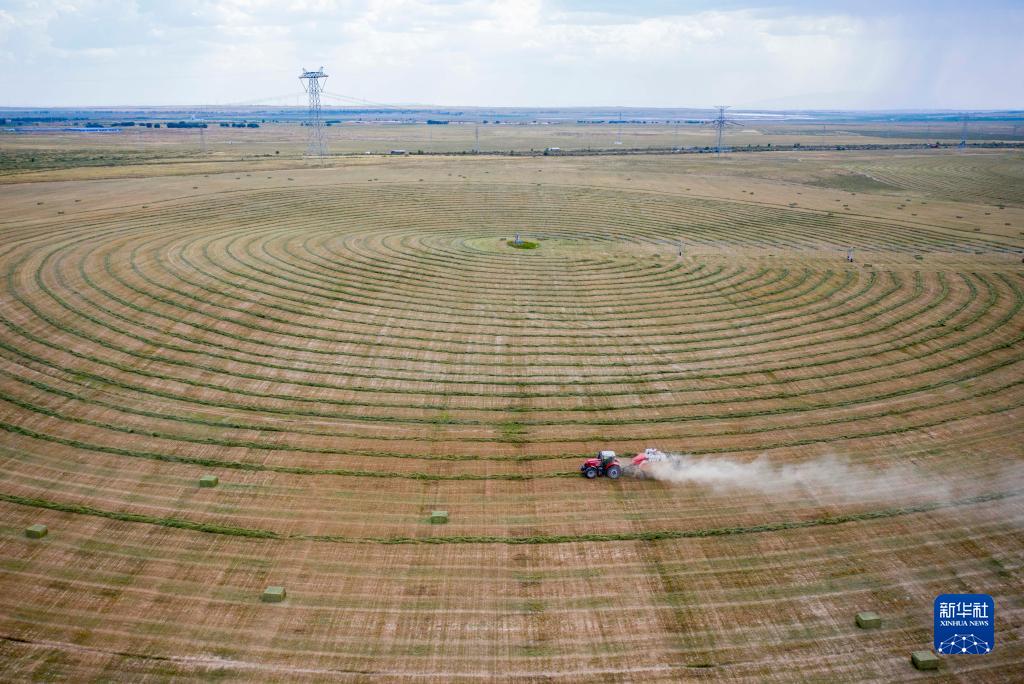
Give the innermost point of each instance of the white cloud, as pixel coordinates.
(514, 52)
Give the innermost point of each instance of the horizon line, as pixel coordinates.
(428, 107)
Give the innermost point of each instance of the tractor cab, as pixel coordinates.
(605, 463)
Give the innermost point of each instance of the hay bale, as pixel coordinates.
(924, 660)
(37, 531)
(273, 595)
(868, 620)
(438, 517)
(209, 481)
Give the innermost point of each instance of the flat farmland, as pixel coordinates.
(351, 347)
(139, 151)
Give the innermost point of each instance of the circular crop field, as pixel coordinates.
(348, 359)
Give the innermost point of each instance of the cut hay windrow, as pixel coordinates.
(393, 406)
(651, 535)
(1006, 344)
(471, 476)
(456, 393)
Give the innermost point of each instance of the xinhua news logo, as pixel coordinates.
(965, 624)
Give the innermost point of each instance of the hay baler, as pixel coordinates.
(637, 467)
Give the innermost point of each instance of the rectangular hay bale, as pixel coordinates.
(924, 660)
(439, 517)
(868, 620)
(273, 595)
(209, 481)
(37, 531)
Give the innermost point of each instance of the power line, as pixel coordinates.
(289, 100)
(358, 101)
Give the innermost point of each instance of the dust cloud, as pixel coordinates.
(831, 479)
(826, 477)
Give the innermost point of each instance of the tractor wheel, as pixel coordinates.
(639, 474)
(590, 473)
(613, 472)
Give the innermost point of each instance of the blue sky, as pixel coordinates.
(800, 54)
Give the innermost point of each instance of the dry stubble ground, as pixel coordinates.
(350, 348)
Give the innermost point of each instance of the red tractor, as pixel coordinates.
(605, 463)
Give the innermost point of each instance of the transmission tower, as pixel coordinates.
(963, 129)
(312, 82)
(200, 124)
(719, 124)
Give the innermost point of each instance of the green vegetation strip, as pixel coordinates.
(652, 535)
(133, 336)
(294, 470)
(355, 417)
